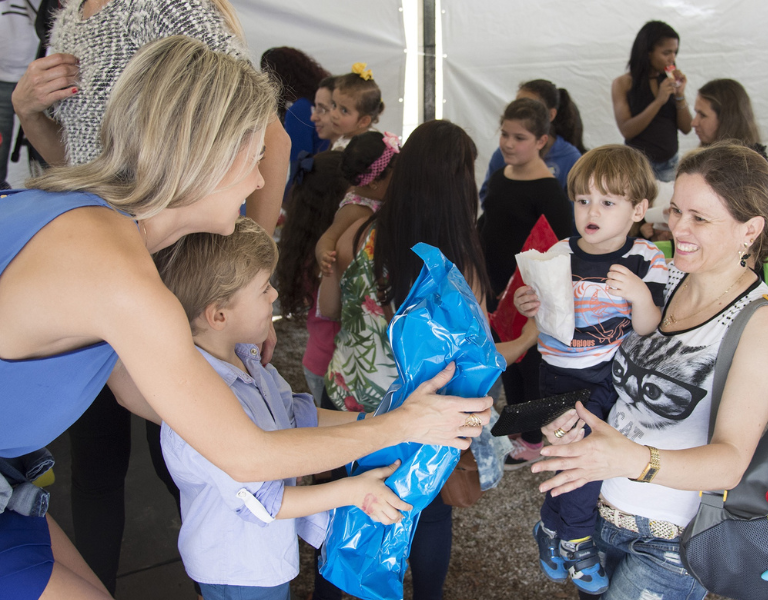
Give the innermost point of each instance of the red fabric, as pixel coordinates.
(506, 321)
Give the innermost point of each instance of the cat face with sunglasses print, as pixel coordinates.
(671, 398)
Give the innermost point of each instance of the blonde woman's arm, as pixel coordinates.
(101, 284)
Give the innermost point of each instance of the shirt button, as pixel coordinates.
(254, 351)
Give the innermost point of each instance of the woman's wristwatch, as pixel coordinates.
(651, 468)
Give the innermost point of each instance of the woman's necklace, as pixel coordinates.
(672, 320)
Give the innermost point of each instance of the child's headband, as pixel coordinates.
(391, 147)
(359, 69)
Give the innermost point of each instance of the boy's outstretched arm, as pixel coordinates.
(623, 283)
(366, 491)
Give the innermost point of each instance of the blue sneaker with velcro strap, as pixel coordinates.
(581, 562)
(550, 561)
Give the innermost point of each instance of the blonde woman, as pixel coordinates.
(92, 42)
(78, 289)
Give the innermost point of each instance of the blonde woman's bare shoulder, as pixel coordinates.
(66, 285)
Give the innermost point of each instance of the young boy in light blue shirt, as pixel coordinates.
(239, 539)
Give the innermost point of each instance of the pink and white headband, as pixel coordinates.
(391, 147)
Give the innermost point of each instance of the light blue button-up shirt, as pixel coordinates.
(222, 540)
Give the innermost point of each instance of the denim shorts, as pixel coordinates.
(642, 567)
(665, 170)
(240, 592)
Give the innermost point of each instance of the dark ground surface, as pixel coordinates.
(493, 558)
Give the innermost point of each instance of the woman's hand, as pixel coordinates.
(429, 418)
(526, 301)
(667, 88)
(568, 422)
(371, 495)
(680, 81)
(46, 81)
(604, 454)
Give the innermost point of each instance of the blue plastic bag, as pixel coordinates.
(439, 322)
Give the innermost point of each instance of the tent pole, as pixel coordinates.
(428, 8)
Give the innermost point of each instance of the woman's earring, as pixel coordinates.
(744, 255)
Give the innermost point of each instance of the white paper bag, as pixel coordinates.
(655, 213)
(549, 275)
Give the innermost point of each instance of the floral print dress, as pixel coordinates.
(362, 367)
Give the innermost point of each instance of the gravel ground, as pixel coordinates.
(493, 555)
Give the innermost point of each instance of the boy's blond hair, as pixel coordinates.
(206, 268)
(614, 169)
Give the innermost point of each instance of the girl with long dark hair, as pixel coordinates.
(564, 143)
(313, 199)
(431, 198)
(649, 102)
(518, 195)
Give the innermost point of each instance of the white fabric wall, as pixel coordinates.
(336, 33)
(491, 46)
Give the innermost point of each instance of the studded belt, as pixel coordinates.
(660, 529)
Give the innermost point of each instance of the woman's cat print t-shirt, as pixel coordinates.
(664, 382)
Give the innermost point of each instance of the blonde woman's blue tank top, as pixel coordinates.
(40, 398)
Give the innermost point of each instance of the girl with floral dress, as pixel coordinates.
(432, 198)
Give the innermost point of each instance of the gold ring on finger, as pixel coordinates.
(473, 420)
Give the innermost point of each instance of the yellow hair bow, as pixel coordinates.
(360, 69)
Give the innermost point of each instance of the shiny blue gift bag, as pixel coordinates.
(440, 322)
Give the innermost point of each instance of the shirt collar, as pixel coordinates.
(248, 353)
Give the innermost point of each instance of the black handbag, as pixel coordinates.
(725, 546)
(533, 415)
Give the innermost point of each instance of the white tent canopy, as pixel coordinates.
(489, 47)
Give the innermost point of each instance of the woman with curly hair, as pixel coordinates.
(314, 198)
(299, 76)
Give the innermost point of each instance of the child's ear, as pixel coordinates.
(639, 210)
(215, 316)
(364, 122)
(542, 141)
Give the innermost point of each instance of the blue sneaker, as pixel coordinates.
(582, 562)
(550, 561)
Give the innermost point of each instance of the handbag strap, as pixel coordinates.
(725, 356)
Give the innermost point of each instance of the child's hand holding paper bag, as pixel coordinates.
(548, 294)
